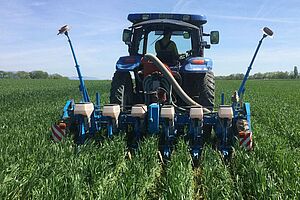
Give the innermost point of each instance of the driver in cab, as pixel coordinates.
(166, 49)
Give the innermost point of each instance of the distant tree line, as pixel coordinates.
(268, 75)
(29, 75)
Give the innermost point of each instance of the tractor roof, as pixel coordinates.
(196, 20)
(157, 22)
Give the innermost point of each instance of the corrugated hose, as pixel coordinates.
(188, 100)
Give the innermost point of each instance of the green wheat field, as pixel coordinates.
(34, 167)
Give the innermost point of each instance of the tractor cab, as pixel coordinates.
(186, 32)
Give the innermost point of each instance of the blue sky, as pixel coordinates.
(29, 42)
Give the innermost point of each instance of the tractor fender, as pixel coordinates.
(197, 65)
(128, 63)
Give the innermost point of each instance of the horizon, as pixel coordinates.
(29, 41)
(87, 78)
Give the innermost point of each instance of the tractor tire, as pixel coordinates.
(121, 91)
(200, 87)
(206, 90)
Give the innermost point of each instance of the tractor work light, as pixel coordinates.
(166, 16)
(186, 17)
(145, 16)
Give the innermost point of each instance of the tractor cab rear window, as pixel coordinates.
(178, 41)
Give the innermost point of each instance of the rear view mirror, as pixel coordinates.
(186, 35)
(214, 37)
(126, 36)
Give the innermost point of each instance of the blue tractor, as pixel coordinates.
(187, 64)
(164, 87)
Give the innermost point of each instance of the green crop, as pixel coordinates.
(34, 167)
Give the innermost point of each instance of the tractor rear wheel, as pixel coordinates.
(121, 91)
(200, 87)
(206, 90)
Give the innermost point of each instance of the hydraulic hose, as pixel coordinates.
(188, 100)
